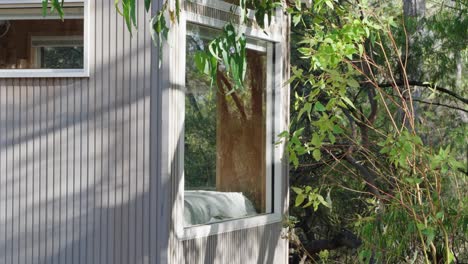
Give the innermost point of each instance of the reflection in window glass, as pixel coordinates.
(225, 139)
(28, 41)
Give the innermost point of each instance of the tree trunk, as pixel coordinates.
(413, 11)
(414, 8)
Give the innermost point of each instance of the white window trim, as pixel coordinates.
(274, 153)
(255, 32)
(52, 73)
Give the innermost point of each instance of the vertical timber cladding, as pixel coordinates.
(74, 166)
(261, 244)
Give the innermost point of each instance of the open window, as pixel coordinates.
(35, 46)
(228, 149)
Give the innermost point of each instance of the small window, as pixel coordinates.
(57, 52)
(29, 41)
(227, 137)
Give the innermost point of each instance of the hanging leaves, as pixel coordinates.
(159, 28)
(55, 6)
(127, 9)
(227, 51)
(265, 9)
(147, 5)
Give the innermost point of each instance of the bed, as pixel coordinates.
(203, 207)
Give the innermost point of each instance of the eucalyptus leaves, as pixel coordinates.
(225, 53)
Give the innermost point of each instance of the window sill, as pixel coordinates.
(199, 231)
(43, 73)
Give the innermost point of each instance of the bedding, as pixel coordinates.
(203, 207)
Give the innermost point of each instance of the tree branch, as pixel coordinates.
(422, 84)
(237, 101)
(366, 174)
(439, 104)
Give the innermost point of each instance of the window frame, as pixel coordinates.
(274, 126)
(52, 73)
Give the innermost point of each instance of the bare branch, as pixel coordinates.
(439, 104)
(423, 84)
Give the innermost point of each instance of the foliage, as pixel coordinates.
(362, 127)
(127, 9)
(55, 6)
(200, 123)
(62, 57)
(226, 51)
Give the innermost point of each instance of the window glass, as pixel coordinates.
(225, 138)
(30, 41)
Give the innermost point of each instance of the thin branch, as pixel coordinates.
(237, 101)
(423, 84)
(439, 104)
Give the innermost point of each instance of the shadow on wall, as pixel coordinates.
(74, 166)
(75, 175)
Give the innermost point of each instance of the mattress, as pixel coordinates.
(203, 207)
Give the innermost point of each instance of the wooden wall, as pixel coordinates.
(74, 155)
(89, 166)
(263, 244)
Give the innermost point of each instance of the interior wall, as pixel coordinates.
(16, 44)
(241, 135)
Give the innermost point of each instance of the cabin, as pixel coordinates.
(115, 150)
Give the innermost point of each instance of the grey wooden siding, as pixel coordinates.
(74, 155)
(88, 166)
(255, 245)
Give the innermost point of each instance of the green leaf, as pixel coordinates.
(322, 201)
(133, 12)
(450, 257)
(296, 19)
(337, 129)
(429, 233)
(361, 49)
(353, 83)
(317, 154)
(45, 4)
(293, 158)
(319, 107)
(414, 180)
(299, 199)
(306, 109)
(348, 102)
(316, 140)
(147, 4)
(202, 63)
(229, 49)
(297, 190)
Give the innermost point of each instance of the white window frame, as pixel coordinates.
(274, 125)
(51, 73)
